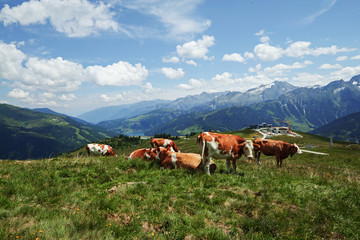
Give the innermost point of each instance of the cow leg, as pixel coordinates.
(207, 165)
(257, 156)
(228, 165)
(278, 161)
(281, 160)
(234, 164)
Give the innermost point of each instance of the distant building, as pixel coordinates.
(262, 125)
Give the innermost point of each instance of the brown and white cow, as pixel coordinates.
(102, 149)
(143, 153)
(277, 148)
(163, 142)
(190, 161)
(218, 146)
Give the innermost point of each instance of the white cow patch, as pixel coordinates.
(173, 159)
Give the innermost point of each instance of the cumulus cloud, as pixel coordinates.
(67, 97)
(280, 68)
(173, 73)
(59, 75)
(52, 75)
(266, 52)
(117, 74)
(341, 58)
(234, 57)
(11, 61)
(18, 93)
(355, 57)
(345, 73)
(329, 66)
(171, 60)
(193, 84)
(75, 18)
(196, 49)
(191, 62)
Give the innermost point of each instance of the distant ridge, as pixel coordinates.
(29, 134)
(346, 128)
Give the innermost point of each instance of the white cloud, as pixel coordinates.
(249, 55)
(341, 58)
(59, 75)
(67, 97)
(18, 93)
(75, 18)
(191, 62)
(329, 66)
(355, 57)
(308, 79)
(267, 52)
(177, 17)
(234, 57)
(53, 75)
(264, 39)
(311, 18)
(117, 74)
(298, 49)
(193, 84)
(171, 60)
(196, 49)
(345, 73)
(173, 73)
(11, 61)
(260, 33)
(279, 69)
(223, 79)
(256, 69)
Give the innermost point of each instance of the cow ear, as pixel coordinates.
(242, 144)
(256, 146)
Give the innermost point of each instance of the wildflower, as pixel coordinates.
(17, 236)
(152, 234)
(40, 231)
(78, 209)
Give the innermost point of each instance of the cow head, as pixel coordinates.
(111, 152)
(294, 149)
(247, 148)
(161, 153)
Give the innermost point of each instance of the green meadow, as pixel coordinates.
(73, 196)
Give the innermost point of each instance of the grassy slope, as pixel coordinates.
(31, 134)
(311, 197)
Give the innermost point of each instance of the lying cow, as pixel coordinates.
(190, 161)
(277, 148)
(163, 142)
(143, 153)
(100, 149)
(226, 146)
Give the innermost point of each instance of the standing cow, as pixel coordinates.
(277, 148)
(230, 147)
(102, 149)
(163, 142)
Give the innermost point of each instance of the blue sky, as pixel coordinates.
(77, 55)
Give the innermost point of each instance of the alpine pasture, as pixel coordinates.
(73, 196)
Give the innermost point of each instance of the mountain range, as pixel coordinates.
(331, 110)
(307, 108)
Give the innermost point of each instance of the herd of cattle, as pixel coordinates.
(211, 145)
